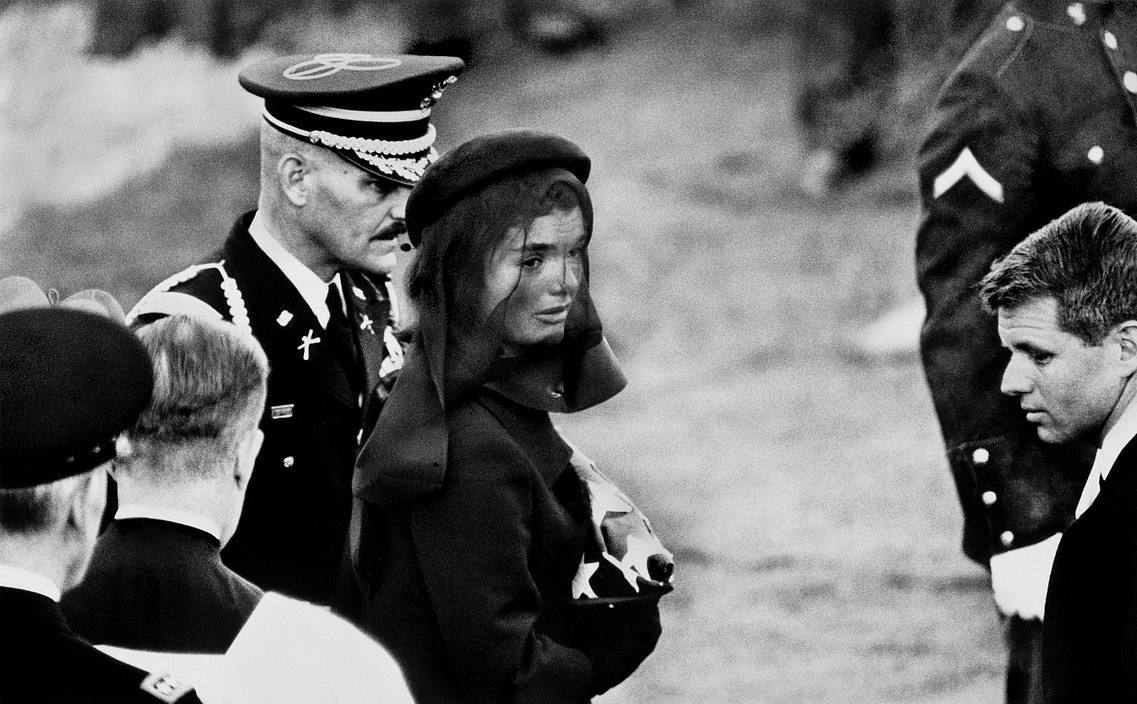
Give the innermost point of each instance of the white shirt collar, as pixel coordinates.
(28, 581)
(1117, 438)
(1111, 446)
(172, 515)
(312, 288)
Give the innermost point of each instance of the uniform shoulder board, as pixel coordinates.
(162, 300)
(164, 687)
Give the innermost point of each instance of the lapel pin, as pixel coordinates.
(284, 318)
(367, 324)
(306, 343)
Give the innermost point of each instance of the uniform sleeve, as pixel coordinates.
(978, 190)
(473, 543)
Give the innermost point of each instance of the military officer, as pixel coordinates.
(70, 380)
(344, 136)
(1038, 117)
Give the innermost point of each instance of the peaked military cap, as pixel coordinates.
(373, 111)
(474, 164)
(70, 381)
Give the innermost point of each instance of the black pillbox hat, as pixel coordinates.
(372, 110)
(476, 163)
(70, 381)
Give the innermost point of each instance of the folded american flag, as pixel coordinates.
(623, 559)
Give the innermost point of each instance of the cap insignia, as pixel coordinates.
(324, 65)
(436, 92)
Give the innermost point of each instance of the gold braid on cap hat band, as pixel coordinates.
(408, 168)
(359, 144)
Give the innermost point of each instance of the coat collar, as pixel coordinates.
(285, 324)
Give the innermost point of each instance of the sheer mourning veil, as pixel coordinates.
(463, 209)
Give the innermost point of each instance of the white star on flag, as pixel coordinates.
(580, 583)
(605, 498)
(967, 165)
(640, 548)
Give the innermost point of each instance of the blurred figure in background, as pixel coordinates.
(343, 138)
(1066, 299)
(156, 580)
(70, 382)
(1036, 119)
(869, 70)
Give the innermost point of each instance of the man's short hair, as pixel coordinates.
(209, 391)
(29, 510)
(1086, 260)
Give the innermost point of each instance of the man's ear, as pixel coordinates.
(247, 457)
(1126, 335)
(291, 170)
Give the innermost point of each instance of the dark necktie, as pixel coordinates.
(343, 341)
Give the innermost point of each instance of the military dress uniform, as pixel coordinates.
(326, 383)
(70, 381)
(1037, 118)
(294, 522)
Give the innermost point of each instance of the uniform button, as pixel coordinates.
(1110, 39)
(989, 498)
(1096, 154)
(289, 461)
(1130, 81)
(1077, 12)
(1015, 24)
(1007, 538)
(980, 456)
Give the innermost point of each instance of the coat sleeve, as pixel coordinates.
(978, 181)
(473, 542)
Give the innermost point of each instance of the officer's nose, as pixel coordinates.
(1016, 381)
(399, 209)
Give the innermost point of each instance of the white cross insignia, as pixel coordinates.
(307, 342)
(367, 324)
(967, 165)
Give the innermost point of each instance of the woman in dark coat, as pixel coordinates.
(477, 543)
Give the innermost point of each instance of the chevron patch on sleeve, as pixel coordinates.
(966, 165)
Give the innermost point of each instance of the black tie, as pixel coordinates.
(343, 341)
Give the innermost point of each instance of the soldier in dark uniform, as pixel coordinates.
(156, 580)
(1037, 118)
(69, 381)
(344, 136)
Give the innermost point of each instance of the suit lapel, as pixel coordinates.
(282, 321)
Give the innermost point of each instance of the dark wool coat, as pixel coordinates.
(470, 587)
(296, 513)
(1089, 631)
(1038, 117)
(42, 660)
(156, 585)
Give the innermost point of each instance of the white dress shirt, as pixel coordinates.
(312, 288)
(28, 581)
(172, 515)
(1111, 446)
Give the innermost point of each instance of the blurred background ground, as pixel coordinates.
(800, 483)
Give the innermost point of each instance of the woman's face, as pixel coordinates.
(539, 272)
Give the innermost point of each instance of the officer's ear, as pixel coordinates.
(290, 171)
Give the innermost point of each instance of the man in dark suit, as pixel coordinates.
(1066, 299)
(70, 381)
(156, 580)
(344, 137)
